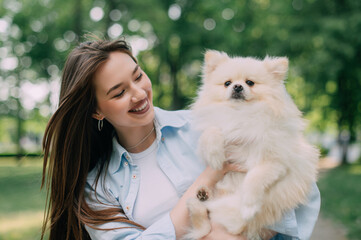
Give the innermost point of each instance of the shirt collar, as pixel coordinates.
(166, 118)
(116, 158)
(163, 119)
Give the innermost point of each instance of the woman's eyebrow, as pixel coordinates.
(119, 84)
(114, 87)
(135, 69)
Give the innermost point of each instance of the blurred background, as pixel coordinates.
(321, 38)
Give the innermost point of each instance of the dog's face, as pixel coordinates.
(238, 80)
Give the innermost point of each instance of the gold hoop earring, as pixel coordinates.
(100, 124)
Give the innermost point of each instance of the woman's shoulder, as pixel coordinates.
(181, 112)
(173, 118)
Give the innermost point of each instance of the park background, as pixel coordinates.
(321, 38)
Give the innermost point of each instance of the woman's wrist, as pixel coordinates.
(211, 176)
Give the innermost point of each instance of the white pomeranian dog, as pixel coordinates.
(247, 117)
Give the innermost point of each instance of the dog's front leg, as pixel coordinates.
(256, 182)
(200, 223)
(211, 147)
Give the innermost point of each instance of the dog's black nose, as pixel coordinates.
(238, 88)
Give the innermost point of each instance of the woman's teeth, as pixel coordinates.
(141, 108)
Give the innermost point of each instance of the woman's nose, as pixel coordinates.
(138, 93)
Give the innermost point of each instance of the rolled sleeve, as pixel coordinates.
(300, 222)
(162, 229)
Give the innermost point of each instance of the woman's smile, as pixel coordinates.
(141, 107)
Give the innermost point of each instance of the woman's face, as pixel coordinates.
(123, 92)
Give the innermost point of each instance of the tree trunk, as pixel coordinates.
(19, 122)
(343, 140)
(346, 113)
(176, 101)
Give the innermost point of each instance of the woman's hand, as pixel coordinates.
(219, 232)
(214, 175)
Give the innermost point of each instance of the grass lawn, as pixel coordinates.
(21, 201)
(341, 197)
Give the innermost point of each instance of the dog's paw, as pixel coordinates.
(200, 223)
(198, 214)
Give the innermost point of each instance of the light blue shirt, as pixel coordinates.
(177, 158)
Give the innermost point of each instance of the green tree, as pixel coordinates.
(320, 38)
(327, 40)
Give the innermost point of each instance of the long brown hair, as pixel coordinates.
(73, 146)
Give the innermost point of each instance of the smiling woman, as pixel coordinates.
(73, 145)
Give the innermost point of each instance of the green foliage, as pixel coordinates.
(341, 194)
(320, 38)
(331, 62)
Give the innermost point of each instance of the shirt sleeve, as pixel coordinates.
(298, 223)
(160, 229)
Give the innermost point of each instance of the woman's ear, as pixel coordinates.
(98, 116)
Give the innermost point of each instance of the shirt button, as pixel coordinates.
(125, 164)
(162, 139)
(127, 208)
(127, 156)
(134, 176)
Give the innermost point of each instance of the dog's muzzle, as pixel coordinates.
(237, 92)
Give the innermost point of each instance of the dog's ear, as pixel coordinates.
(211, 59)
(277, 66)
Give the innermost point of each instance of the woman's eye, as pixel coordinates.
(119, 95)
(139, 76)
(226, 84)
(249, 83)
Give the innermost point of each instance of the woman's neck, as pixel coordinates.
(137, 139)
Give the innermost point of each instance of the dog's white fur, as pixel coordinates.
(263, 132)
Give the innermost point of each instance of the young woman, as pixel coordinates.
(120, 168)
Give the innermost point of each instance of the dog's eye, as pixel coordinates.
(249, 83)
(226, 84)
